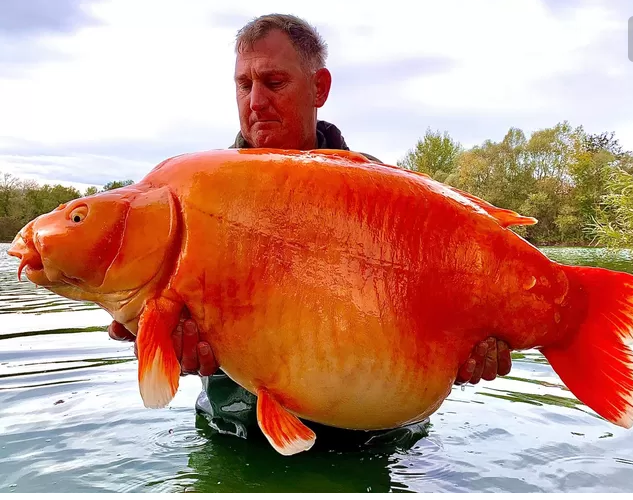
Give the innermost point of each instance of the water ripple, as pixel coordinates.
(179, 439)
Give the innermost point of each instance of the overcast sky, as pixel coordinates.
(92, 91)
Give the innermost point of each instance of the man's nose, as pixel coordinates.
(259, 99)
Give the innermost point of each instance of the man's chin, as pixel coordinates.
(267, 138)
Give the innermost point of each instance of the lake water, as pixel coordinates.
(72, 420)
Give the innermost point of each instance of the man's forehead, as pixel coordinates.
(260, 71)
(264, 67)
(272, 53)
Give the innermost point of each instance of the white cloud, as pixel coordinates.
(160, 72)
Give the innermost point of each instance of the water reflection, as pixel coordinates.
(323, 469)
(71, 419)
(537, 399)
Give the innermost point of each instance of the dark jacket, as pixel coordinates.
(328, 137)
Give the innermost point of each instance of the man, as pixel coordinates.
(281, 81)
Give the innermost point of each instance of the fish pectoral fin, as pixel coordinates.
(284, 431)
(158, 366)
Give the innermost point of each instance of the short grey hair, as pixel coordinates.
(311, 47)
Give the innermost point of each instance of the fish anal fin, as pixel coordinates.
(503, 216)
(284, 431)
(158, 366)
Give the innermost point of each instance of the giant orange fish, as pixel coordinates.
(338, 290)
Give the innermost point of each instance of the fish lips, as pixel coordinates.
(25, 249)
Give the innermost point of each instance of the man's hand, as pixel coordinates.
(196, 358)
(488, 359)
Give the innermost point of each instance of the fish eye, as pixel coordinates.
(79, 214)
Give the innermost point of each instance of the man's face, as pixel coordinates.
(277, 96)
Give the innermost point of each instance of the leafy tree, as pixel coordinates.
(22, 201)
(569, 225)
(43, 199)
(8, 188)
(117, 184)
(612, 225)
(435, 155)
(573, 182)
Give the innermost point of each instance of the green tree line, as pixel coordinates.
(578, 185)
(23, 200)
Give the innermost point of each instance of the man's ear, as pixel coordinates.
(322, 82)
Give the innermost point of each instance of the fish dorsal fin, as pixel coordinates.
(503, 216)
(342, 153)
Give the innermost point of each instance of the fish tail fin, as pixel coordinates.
(158, 366)
(596, 361)
(284, 431)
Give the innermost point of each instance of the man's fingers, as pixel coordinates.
(189, 362)
(465, 371)
(176, 339)
(118, 332)
(489, 359)
(490, 362)
(504, 358)
(208, 365)
(479, 356)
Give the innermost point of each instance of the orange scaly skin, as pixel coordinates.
(340, 290)
(314, 281)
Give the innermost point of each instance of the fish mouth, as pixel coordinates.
(30, 259)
